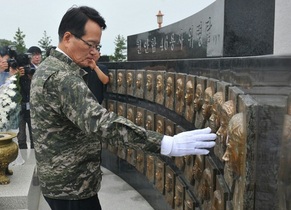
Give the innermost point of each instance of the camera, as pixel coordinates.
(20, 60)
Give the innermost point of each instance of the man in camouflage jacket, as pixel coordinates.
(69, 124)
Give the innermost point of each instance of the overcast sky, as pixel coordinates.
(124, 17)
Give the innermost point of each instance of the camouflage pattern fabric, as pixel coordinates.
(68, 126)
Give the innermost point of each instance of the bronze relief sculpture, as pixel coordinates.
(150, 119)
(207, 106)
(149, 93)
(139, 119)
(198, 102)
(160, 175)
(226, 112)
(170, 89)
(235, 159)
(130, 82)
(189, 97)
(139, 85)
(159, 96)
(217, 101)
(121, 82)
(179, 99)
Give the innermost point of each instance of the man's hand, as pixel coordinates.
(195, 142)
(92, 64)
(21, 71)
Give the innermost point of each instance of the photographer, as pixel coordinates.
(25, 81)
(6, 53)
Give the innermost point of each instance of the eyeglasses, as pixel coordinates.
(91, 46)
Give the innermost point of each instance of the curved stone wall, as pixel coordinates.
(246, 101)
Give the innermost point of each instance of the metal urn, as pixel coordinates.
(8, 153)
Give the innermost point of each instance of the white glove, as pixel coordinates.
(192, 142)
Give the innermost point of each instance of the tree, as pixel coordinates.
(45, 42)
(19, 41)
(120, 49)
(4, 42)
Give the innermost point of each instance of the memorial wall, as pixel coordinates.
(234, 86)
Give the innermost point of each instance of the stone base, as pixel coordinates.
(23, 192)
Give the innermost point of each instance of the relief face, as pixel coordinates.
(121, 82)
(217, 202)
(150, 170)
(169, 127)
(139, 85)
(217, 101)
(140, 161)
(235, 159)
(198, 99)
(198, 169)
(160, 176)
(179, 96)
(234, 155)
(111, 86)
(149, 121)
(139, 119)
(198, 103)
(189, 97)
(160, 125)
(206, 107)
(205, 187)
(130, 113)
(111, 106)
(121, 109)
(179, 194)
(169, 100)
(130, 82)
(189, 201)
(225, 114)
(131, 156)
(169, 186)
(129, 79)
(160, 88)
(149, 93)
(189, 164)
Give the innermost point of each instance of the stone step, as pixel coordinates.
(23, 192)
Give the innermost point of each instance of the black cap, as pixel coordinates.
(34, 50)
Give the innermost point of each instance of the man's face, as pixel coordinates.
(36, 58)
(78, 50)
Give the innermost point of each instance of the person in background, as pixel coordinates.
(25, 83)
(5, 71)
(97, 77)
(36, 57)
(69, 125)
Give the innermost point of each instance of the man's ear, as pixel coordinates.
(67, 38)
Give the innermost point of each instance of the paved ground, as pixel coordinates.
(115, 194)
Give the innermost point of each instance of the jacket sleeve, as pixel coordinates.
(79, 105)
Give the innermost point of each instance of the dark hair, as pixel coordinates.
(4, 51)
(76, 18)
(34, 50)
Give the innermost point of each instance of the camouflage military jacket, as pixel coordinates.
(68, 127)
